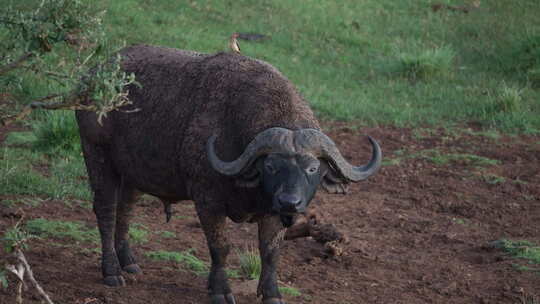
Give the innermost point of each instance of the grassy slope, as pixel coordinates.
(345, 56)
(353, 60)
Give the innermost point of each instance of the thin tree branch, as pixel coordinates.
(34, 69)
(22, 258)
(70, 102)
(15, 64)
(6, 121)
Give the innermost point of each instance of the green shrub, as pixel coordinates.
(427, 64)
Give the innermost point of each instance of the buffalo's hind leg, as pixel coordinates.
(109, 193)
(214, 225)
(124, 212)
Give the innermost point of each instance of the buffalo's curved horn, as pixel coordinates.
(318, 143)
(267, 141)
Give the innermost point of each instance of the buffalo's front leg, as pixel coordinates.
(271, 233)
(214, 225)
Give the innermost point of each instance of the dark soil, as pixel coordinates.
(418, 231)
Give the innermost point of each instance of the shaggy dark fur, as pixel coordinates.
(185, 98)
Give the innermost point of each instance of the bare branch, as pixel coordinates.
(15, 64)
(46, 73)
(40, 103)
(22, 258)
(68, 102)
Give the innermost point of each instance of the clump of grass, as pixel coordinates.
(526, 59)
(529, 299)
(533, 76)
(232, 273)
(289, 291)
(250, 263)
(76, 231)
(56, 132)
(507, 100)
(138, 233)
(427, 63)
(391, 162)
(493, 179)
(185, 257)
(167, 234)
(27, 201)
(522, 250)
(459, 221)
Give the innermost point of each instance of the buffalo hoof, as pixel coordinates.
(133, 268)
(222, 299)
(273, 301)
(114, 281)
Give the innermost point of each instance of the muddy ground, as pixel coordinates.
(420, 231)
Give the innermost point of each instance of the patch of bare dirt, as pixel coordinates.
(418, 232)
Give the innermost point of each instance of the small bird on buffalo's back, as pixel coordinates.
(233, 43)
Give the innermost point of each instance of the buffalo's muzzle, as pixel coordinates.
(289, 203)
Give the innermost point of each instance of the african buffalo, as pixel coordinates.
(230, 133)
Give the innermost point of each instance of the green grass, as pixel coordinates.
(435, 156)
(493, 179)
(56, 132)
(55, 170)
(289, 291)
(57, 178)
(524, 250)
(459, 221)
(439, 158)
(26, 201)
(186, 258)
(57, 229)
(250, 263)
(138, 233)
(167, 234)
(343, 56)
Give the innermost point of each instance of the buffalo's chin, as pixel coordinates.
(287, 220)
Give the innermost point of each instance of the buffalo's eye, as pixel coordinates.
(312, 169)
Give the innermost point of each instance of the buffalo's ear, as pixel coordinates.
(333, 183)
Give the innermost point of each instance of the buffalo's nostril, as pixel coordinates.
(289, 202)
